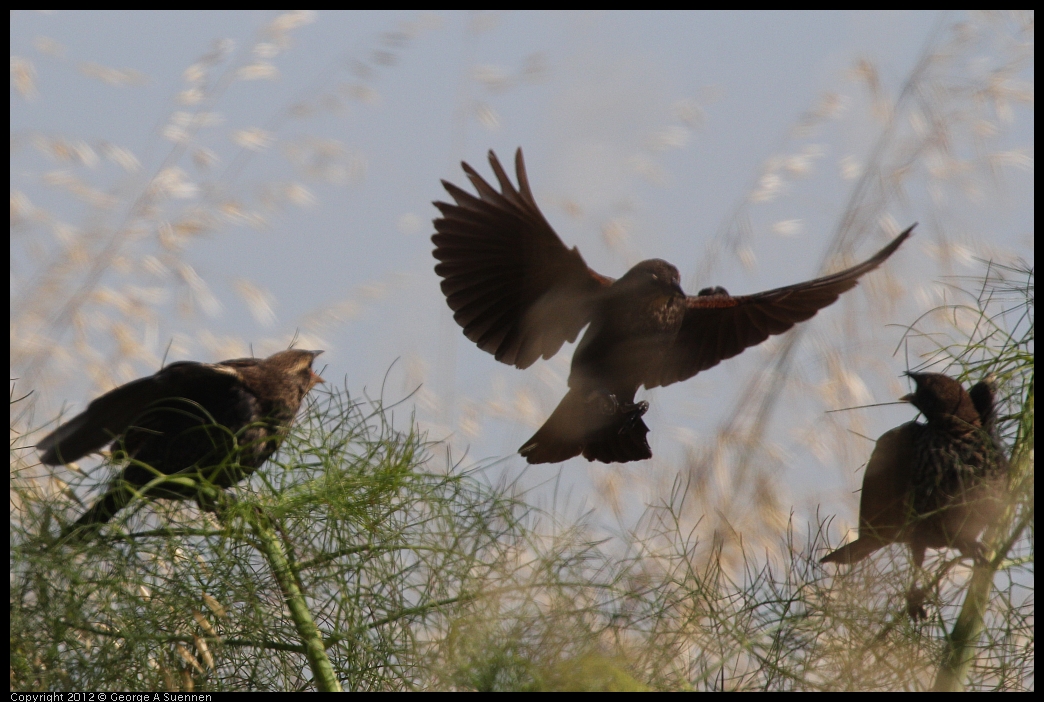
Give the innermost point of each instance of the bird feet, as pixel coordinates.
(915, 599)
(610, 406)
(634, 411)
(716, 290)
(212, 499)
(976, 551)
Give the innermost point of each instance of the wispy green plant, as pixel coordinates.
(351, 526)
(415, 575)
(657, 608)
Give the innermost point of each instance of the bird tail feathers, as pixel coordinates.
(852, 552)
(598, 428)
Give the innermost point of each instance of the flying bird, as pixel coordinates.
(206, 421)
(520, 293)
(935, 484)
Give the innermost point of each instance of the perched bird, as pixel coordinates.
(937, 484)
(519, 294)
(206, 421)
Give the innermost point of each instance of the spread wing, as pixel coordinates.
(512, 284)
(111, 414)
(717, 325)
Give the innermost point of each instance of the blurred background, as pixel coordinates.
(212, 185)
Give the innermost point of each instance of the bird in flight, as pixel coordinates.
(215, 422)
(519, 293)
(936, 484)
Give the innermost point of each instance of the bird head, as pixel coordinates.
(654, 277)
(938, 395)
(297, 364)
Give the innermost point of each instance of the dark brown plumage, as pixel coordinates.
(937, 484)
(212, 421)
(519, 294)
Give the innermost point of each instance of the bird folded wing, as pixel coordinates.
(884, 503)
(111, 414)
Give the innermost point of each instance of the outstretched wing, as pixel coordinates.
(717, 326)
(512, 284)
(111, 414)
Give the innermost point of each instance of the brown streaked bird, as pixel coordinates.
(936, 484)
(207, 421)
(519, 294)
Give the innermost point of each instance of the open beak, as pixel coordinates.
(910, 397)
(315, 377)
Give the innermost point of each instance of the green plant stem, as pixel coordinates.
(960, 649)
(315, 650)
(961, 645)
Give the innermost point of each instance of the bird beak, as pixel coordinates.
(910, 397)
(316, 378)
(678, 289)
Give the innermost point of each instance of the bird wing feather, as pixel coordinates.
(111, 414)
(884, 504)
(518, 292)
(720, 326)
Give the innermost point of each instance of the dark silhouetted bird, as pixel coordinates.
(937, 484)
(519, 294)
(202, 421)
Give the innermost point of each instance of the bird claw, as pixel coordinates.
(609, 405)
(212, 499)
(634, 411)
(977, 552)
(915, 598)
(716, 290)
